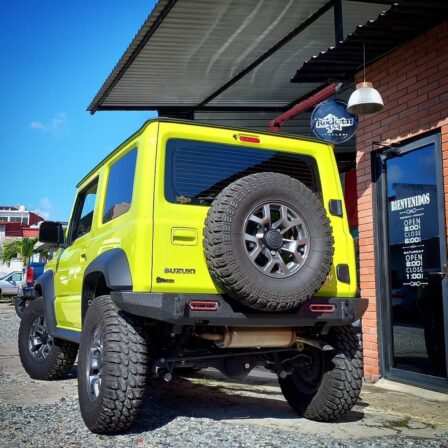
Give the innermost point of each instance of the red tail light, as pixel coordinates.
(322, 308)
(29, 275)
(203, 305)
(249, 139)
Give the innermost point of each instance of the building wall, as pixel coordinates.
(15, 265)
(413, 81)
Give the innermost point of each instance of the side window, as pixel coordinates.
(16, 277)
(83, 216)
(120, 186)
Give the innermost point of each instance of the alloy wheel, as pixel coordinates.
(94, 363)
(40, 342)
(276, 239)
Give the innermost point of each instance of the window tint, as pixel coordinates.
(120, 186)
(197, 171)
(85, 205)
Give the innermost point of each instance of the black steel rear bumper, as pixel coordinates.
(176, 309)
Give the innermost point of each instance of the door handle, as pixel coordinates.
(442, 274)
(184, 236)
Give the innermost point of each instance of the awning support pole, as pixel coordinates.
(276, 123)
(338, 21)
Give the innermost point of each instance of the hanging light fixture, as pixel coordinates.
(365, 99)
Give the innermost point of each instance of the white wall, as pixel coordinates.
(15, 265)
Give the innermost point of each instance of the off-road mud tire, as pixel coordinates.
(340, 384)
(59, 361)
(124, 368)
(225, 253)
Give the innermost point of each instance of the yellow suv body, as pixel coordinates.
(194, 246)
(162, 238)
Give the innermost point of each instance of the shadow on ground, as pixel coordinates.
(219, 399)
(188, 398)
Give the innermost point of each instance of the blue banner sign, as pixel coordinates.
(331, 122)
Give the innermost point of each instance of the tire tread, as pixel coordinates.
(124, 371)
(61, 358)
(341, 384)
(227, 272)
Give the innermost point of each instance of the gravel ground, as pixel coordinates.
(60, 425)
(9, 323)
(189, 413)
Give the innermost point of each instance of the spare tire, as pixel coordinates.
(268, 242)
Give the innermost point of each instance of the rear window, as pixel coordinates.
(197, 171)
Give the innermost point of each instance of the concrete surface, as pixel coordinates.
(383, 411)
(407, 389)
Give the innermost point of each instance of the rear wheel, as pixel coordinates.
(328, 386)
(113, 362)
(42, 356)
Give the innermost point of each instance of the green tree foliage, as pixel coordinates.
(23, 248)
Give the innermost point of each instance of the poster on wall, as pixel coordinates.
(413, 232)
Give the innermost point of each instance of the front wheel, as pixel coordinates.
(42, 356)
(329, 384)
(112, 371)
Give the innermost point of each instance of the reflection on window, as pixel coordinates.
(120, 186)
(416, 297)
(84, 211)
(197, 171)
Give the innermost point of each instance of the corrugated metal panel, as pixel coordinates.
(391, 29)
(270, 81)
(188, 49)
(139, 39)
(202, 44)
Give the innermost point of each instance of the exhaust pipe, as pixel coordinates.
(246, 337)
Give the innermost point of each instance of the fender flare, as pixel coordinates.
(46, 284)
(113, 266)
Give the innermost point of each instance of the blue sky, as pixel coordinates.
(55, 56)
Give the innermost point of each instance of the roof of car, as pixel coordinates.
(194, 123)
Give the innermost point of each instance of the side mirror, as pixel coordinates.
(52, 233)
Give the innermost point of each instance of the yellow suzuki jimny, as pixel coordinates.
(195, 246)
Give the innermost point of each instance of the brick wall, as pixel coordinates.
(413, 81)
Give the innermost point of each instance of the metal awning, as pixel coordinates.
(220, 55)
(391, 29)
